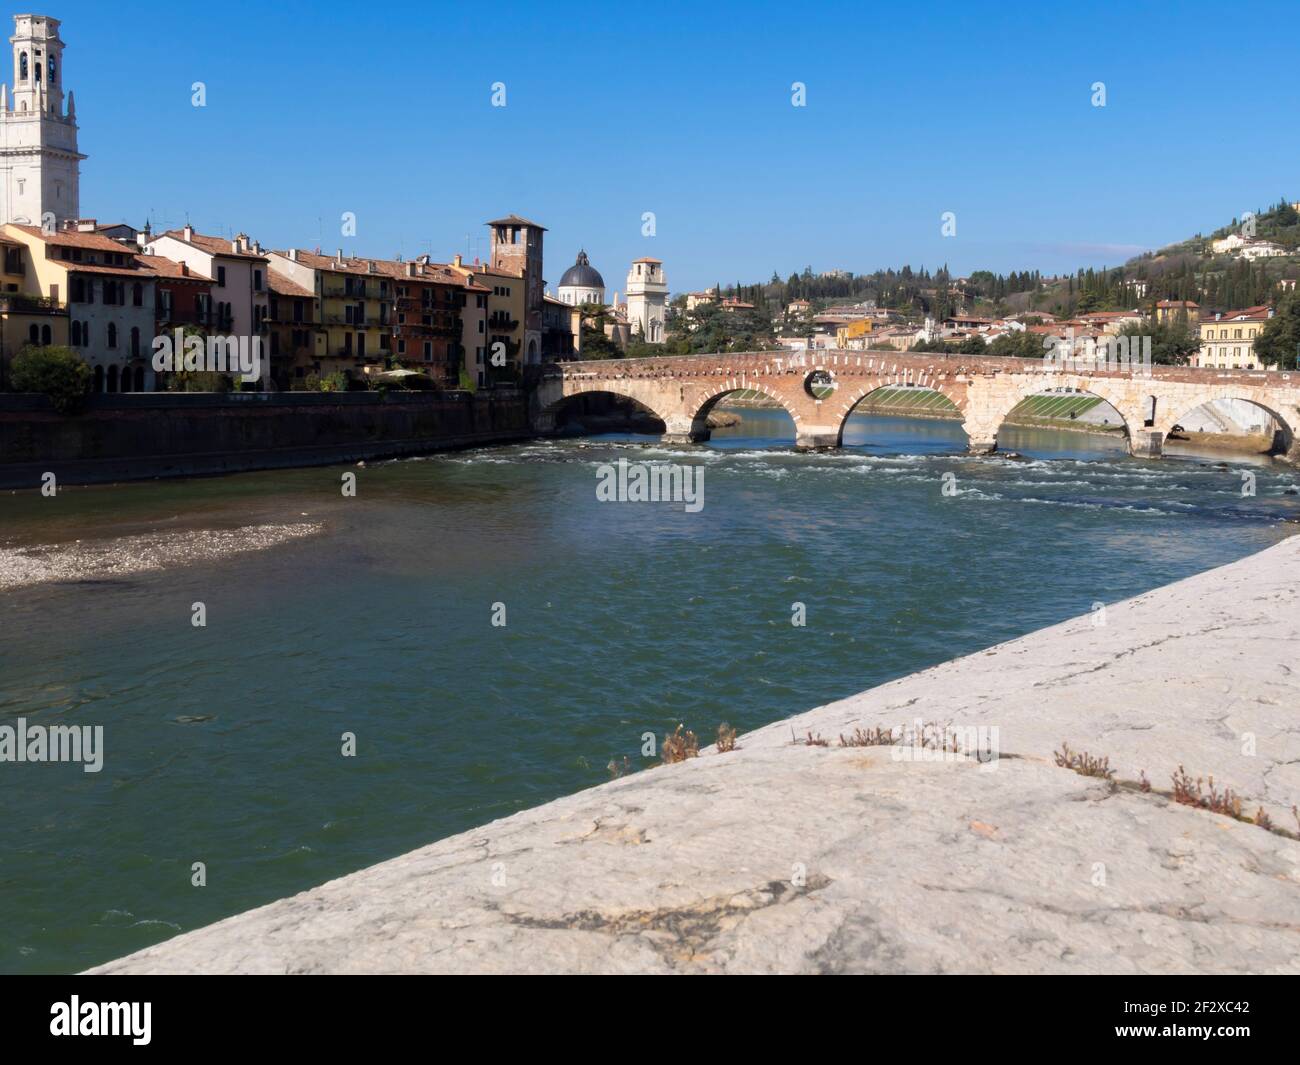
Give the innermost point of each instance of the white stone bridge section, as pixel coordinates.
(681, 390)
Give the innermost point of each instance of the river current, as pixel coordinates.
(372, 615)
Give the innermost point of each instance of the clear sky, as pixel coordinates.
(913, 109)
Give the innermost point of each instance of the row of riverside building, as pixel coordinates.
(107, 290)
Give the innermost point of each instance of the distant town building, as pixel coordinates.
(697, 299)
(1169, 310)
(1228, 339)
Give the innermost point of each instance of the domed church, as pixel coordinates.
(582, 283)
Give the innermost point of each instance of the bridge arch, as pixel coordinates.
(549, 408)
(854, 397)
(986, 413)
(703, 405)
(1286, 419)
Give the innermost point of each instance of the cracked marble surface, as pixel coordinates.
(780, 857)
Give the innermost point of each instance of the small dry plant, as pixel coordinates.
(619, 769)
(680, 746)
(726, 738)
(1190, 792)
(1083, 763)
(874, 737)
(812, 741)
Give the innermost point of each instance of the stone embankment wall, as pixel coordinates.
(781, 856)
(146, 435)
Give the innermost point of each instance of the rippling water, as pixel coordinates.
(223, 743)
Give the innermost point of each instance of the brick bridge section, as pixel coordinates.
(682, 390)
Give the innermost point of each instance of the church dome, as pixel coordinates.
(582, 275)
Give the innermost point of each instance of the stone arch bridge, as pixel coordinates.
(682, 390)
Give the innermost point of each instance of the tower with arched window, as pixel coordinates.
(647, 299)
(40, 167)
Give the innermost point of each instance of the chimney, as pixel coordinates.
(410, 269)
(185, 269)
(456, 260)
(188, 232)
(293, 255)
(339, 256)
(370, 266)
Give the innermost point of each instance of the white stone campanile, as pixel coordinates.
(40, 167)
(647, 299)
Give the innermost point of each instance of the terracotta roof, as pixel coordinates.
(213, 245)
(1177, 303)
(283, 286)
(315, 261)
(514, 220)
(648, 259)
(74, 240)
(170, 269)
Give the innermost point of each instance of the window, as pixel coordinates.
(428, 352)
(46, 336)
(221, 276)
(135, 342)
(33, 333)
(112, 334)
(137, 295)
(401, 347)
(76, 334)
(54, 70)
(257, 280)
(22, 66)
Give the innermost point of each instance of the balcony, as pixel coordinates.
(502, 323)
(21, 303)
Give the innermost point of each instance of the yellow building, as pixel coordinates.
(352, 308)
(1169, 311)
(506, 302)
(1228, 339)
(24, 319)
(854, 335)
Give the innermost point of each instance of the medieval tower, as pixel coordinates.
(40, 167)
(647, 299)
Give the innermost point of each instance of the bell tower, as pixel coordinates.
(40, 167)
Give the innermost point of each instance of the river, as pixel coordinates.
(372, 616)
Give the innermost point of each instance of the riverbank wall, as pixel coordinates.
(1088, 844)
(145, 435)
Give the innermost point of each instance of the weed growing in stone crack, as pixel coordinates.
(1143, 783)
(726, 738)
(619, 769)
(810, 740)
(874, 737)
(680, 746)
(1083, 763)
(1190, 793)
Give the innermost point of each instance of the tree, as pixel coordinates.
(1173, 343)
(57, 372)
(1278, 343)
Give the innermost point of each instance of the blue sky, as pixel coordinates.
(913, 109)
